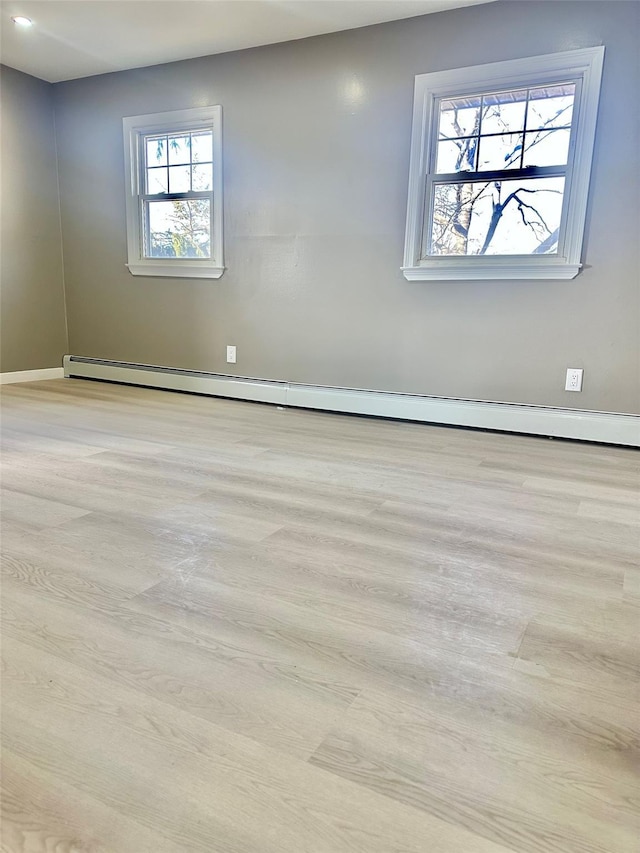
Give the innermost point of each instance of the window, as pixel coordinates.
(500, 164)
(174, 193)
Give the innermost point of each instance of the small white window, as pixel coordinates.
(500, 165)
(173, 166)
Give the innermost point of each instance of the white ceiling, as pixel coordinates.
(79, 38)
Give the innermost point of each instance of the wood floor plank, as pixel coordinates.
(553, 534)
(625, 491)
(235, 628)
(251, 695)
(43, 479)
(160, 542)
(453, 578)
(473, 770)
(40, 512)
(632, 586)
(376, 660)
(214, 472)
(475, 557)
(609, 511)
(41, 813)
(14, 443)
(241, 797)
(467, 630)
(587, 657)
(58, 550)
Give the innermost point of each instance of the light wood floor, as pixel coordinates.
(236, 629)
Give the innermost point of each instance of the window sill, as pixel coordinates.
(448, 269)
(178, 270)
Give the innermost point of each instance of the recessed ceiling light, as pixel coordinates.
(21, 21)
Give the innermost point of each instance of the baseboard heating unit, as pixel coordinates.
(605, 427)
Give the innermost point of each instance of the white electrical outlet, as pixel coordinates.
(231, 355)
(574, 379)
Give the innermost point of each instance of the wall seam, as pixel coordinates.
(64, 278)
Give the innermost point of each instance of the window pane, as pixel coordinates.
(546, 148)
(457, 156)
(500, 152)
(201, 147)
(528, 220)
(179, 150)
(157, 180)
(156, 150)
(459, 117)
(503, 112)
(202, 177)
(551, 106)
(178, 229)
(179, 181)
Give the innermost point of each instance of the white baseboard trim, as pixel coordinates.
(605, 427)
(32, 375)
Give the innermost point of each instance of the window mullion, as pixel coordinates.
(524, 128)
(194, 195)
(427, 218)
(527, 173)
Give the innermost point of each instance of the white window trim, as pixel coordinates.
(134, 127)
(584, 65)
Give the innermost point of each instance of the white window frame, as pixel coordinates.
(135, 128)
(583, 66)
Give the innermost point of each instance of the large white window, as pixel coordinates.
(174, 193)
(500, 165)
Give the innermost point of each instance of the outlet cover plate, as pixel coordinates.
(574, 379)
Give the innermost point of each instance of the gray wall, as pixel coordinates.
(32, 315)
(316, 142)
